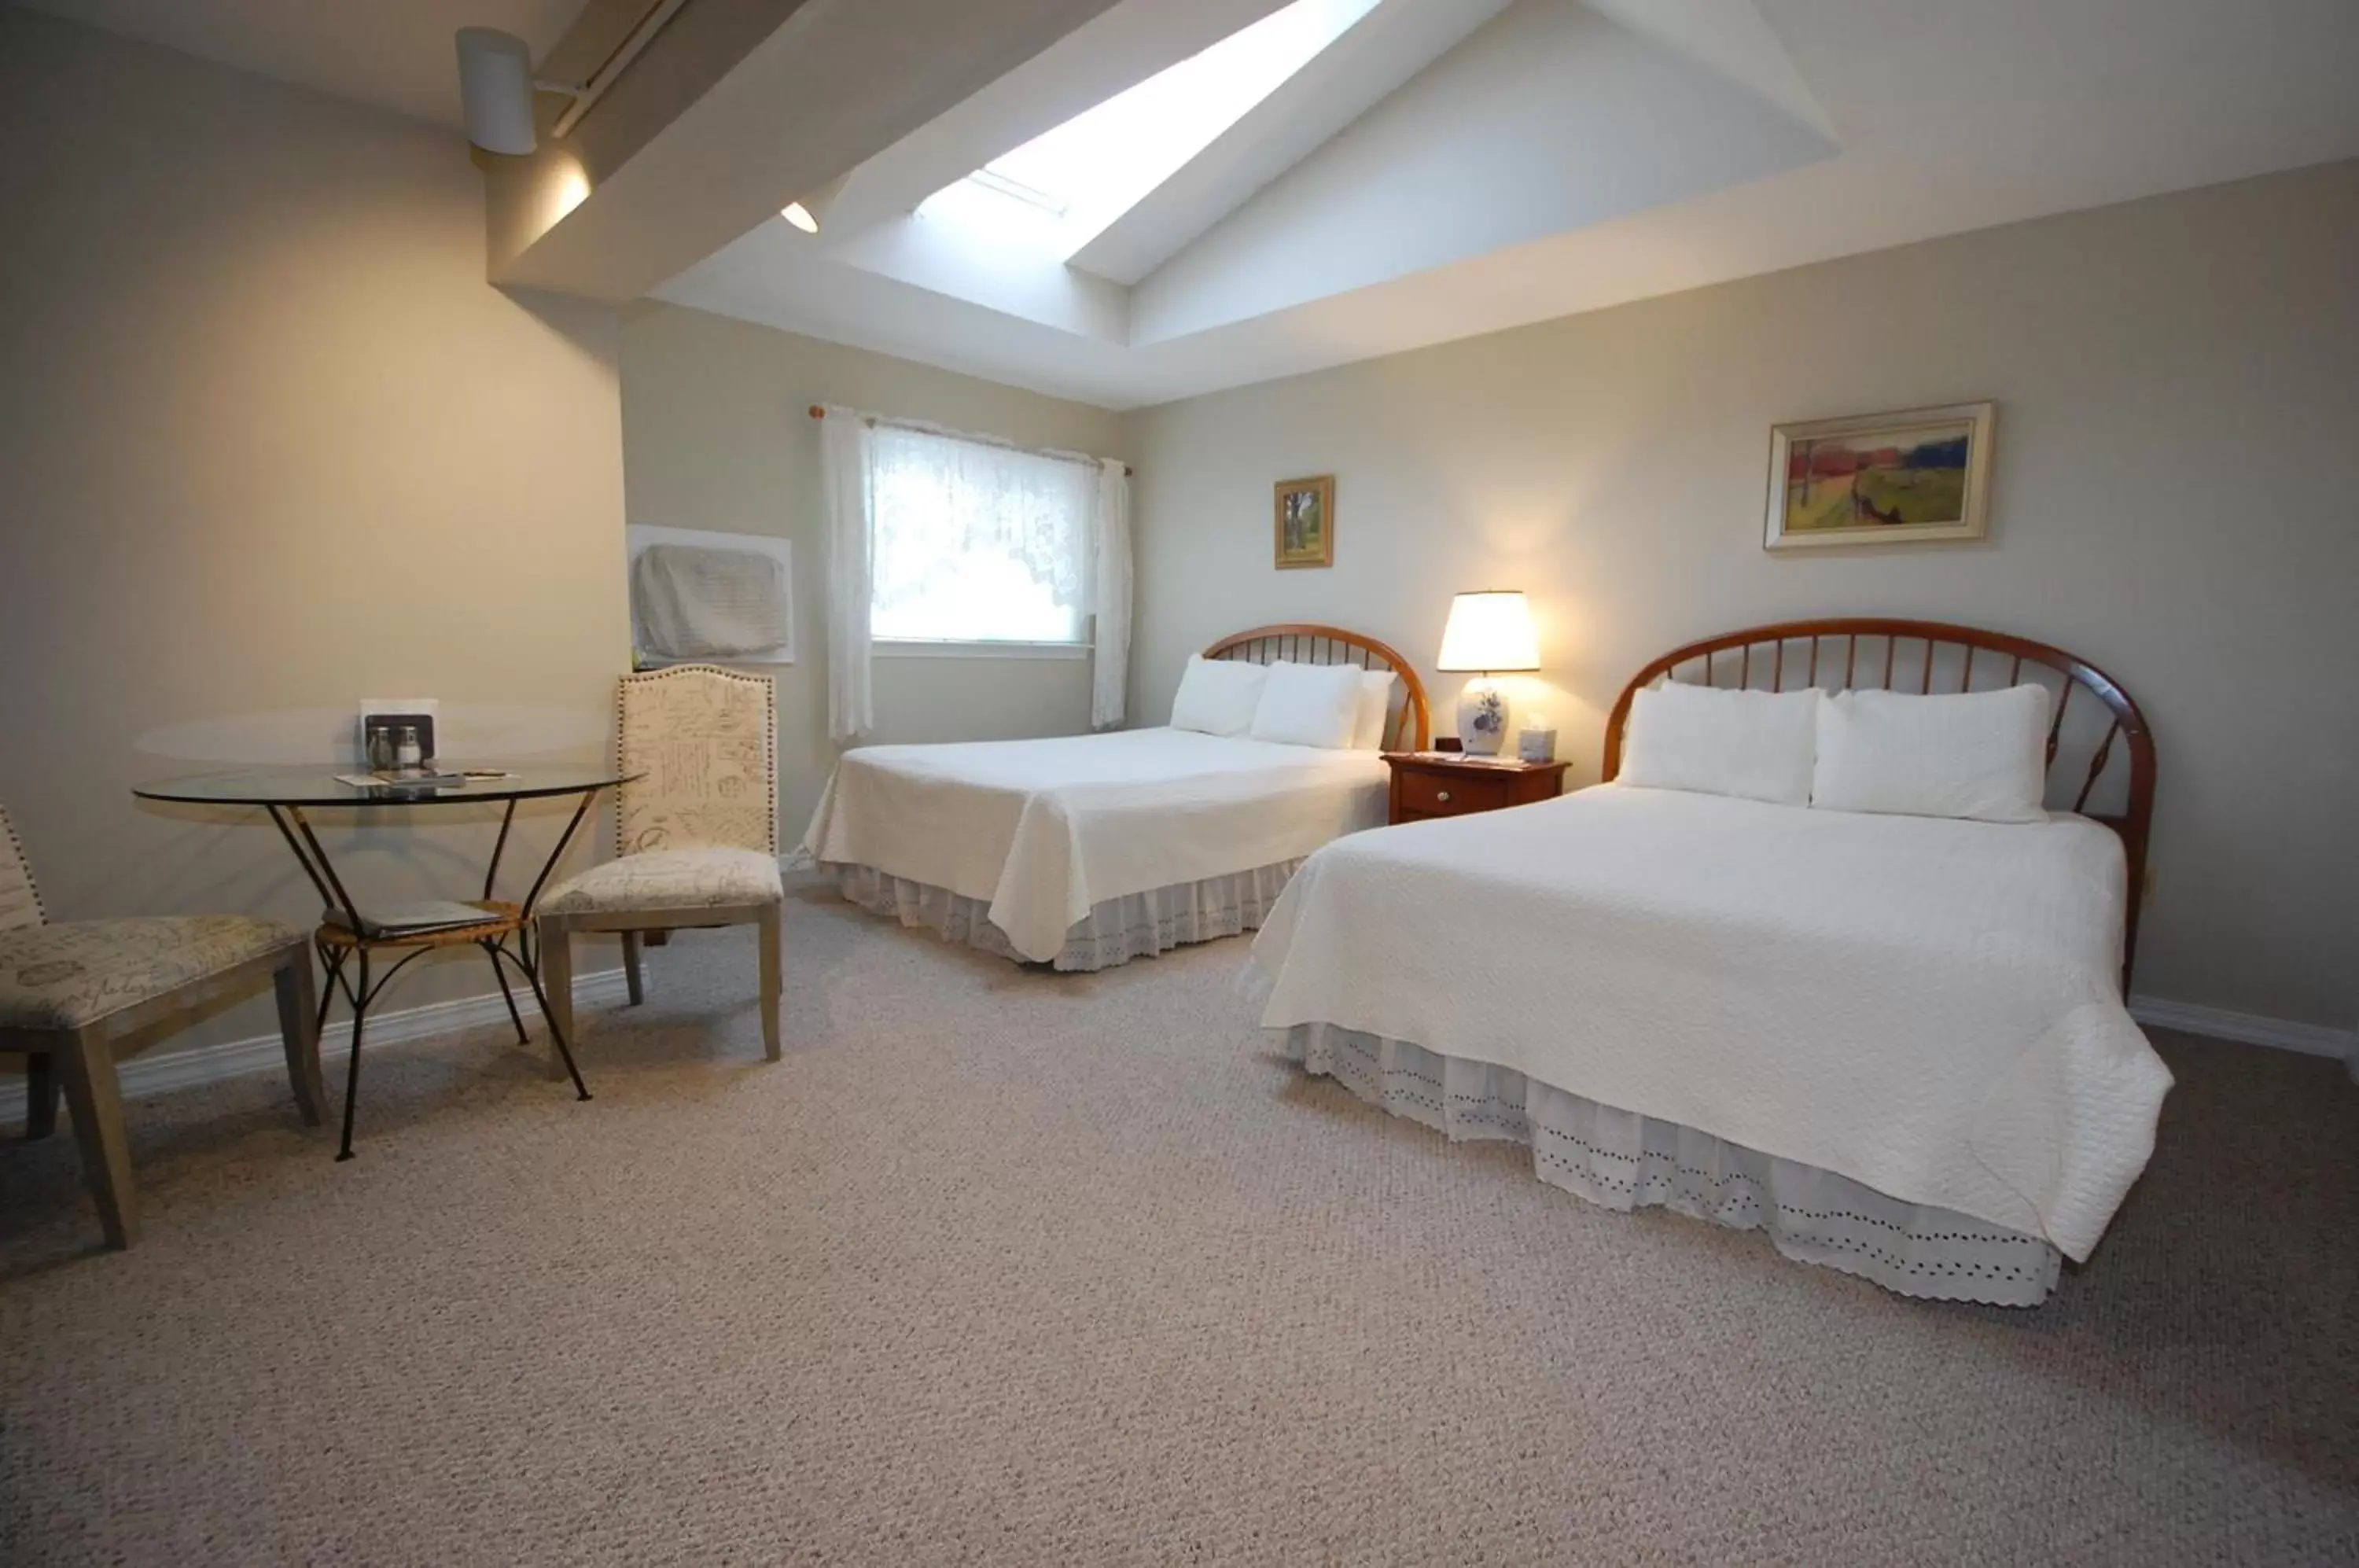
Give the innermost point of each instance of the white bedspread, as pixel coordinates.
(1931, 1008)
(1043, 828)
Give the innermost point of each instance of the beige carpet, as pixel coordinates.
(1018, 1267)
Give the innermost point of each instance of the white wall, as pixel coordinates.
(2177, 383)
(268, 444)
(717, 434)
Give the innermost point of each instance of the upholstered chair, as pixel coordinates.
(696, 831)
(70, 991)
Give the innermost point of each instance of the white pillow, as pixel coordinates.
(1218, 696)
(1310, 704)
(1982, 755)
(1756, 746)
(1375, 709)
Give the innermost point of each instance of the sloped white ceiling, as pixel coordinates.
(1452, 167)
(1389, 47)
(1124, 45)
(1547, 120)
(1729, 37)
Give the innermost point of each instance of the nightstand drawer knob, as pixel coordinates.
(1441, 795)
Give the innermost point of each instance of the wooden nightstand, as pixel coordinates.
(1425, 787)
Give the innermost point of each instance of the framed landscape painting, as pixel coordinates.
(1306, 521)
(1919, 475)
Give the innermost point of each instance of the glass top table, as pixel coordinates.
(318, 787)
(348, 936)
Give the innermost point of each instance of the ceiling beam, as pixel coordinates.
(711, 131)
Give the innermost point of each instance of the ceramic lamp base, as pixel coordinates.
(1482, 717)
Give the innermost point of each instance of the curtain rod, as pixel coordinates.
(819, 412)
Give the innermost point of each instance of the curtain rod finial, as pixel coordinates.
(817, 412)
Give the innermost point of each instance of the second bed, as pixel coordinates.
(1893, 1040)
(1086, 851)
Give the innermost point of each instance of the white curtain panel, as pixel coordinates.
(1110, 594)
(847, 479)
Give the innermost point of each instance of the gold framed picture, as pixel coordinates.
(1915, 476)
(1306, 521)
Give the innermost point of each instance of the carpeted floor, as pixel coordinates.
(1010, 1266)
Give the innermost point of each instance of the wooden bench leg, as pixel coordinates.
(631, 968)
(88, 1068)
(772, 933)
(41, 1096)
(298, 1015)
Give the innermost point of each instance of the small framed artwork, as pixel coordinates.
(1916, 476)
(1306, 521)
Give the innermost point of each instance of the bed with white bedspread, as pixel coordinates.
(1086, 851)
(1895, 1043)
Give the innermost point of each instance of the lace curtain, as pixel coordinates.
(976, 542)
(934, 537)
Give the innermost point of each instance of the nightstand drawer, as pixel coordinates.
(1424, 787)
(1447, 794)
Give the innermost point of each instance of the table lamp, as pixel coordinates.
(1488, 632)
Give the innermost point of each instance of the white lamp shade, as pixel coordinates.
(495, 90)
(1489, 630)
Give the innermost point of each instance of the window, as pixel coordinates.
(1062, 189)
(978, 543)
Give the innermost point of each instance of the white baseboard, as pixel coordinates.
(168, 1070)
(2249, 1028)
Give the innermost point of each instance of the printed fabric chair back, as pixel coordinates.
(704, 741)
(20, 900)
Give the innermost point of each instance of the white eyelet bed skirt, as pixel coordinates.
(1623, 1160)
(1114, 932)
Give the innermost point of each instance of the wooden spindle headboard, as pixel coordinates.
(2106, 750)
(1409, 725)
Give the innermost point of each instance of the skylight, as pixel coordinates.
(1062, 187)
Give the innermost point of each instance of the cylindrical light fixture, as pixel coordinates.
(495, 90)
(1489, 631)
(809, 212)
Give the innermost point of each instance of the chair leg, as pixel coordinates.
(557, 989)
(335, 966)
(556, 1032)
(360, 996)
(41, 1096)
(88, 1067)
(499, 973)
(772, 932)
(299, 1031)
(631, 976)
